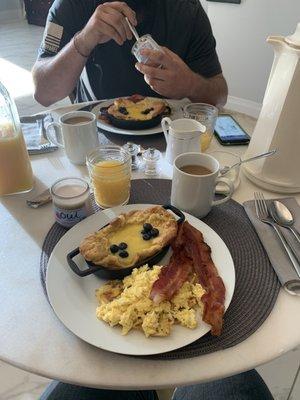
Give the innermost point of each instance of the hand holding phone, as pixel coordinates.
(229, 132)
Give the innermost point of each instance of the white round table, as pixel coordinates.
(32, 338)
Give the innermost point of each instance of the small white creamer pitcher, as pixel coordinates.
(182, 136)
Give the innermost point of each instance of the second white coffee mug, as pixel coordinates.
(76, 132)
(195, 193)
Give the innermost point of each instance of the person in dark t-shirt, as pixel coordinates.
(86, 50)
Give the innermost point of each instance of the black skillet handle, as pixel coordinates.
(74, 266)
(176, 211)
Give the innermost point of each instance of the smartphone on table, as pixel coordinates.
(229, 132)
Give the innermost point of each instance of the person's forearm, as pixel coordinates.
(208, 90)
(55, 78)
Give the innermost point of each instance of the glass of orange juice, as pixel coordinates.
(207, 115)
(110, 173)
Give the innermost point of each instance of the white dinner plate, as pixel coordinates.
(74, 302)
(176, 112)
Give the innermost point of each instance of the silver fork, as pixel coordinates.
(263, 215)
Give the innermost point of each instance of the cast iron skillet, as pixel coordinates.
(119, 273)
(133, 124)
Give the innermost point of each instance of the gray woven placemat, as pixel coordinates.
(157, 141)
(256, 287)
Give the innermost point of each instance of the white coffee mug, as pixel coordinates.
(78, 139)
(195, 193)
(182, 135)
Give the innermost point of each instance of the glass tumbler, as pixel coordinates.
(144, 42)
(207, 115)
(110, 173)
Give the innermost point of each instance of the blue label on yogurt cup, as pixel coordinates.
(69, 218)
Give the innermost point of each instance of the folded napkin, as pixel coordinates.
(34, 131)
(269, 239)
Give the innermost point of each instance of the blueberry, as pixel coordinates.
(143, 232)
(123, 254)
(123, 246)
(145, 112)
(114, 248)
(147, 227)
(123, 110)
(146, 236)
(154, 232)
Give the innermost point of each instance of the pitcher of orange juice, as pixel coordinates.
(15, 168)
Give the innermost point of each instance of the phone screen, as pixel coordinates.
(228, 130)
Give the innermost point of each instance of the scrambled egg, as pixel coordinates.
(127, 303)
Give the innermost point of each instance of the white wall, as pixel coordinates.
(9, 5)
(10, 10)
(204, 4)
(241, 32)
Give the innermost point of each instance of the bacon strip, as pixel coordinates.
(192, 254)
(208, 276)
(171, 277)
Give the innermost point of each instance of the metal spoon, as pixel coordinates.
(133, 30)
(284, 217)
(225, 169)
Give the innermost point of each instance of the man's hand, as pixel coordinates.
(108, 22)
(172, 79)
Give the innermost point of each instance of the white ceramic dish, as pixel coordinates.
(73, 298)
(176, 112)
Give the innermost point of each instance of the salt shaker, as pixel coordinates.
(151, 158)
(133, 149)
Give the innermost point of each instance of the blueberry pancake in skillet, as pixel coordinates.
(130, 238)
(135, 112)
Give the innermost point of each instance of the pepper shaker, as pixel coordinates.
(133, 149)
